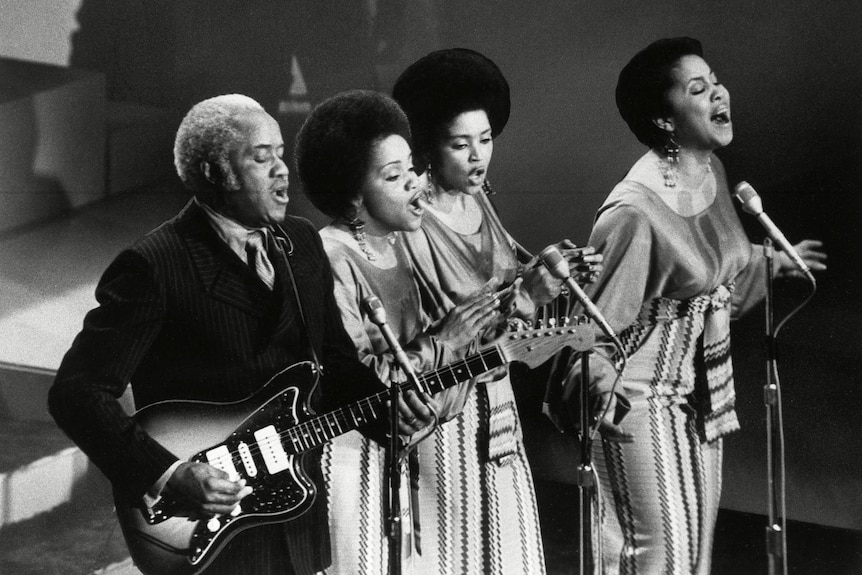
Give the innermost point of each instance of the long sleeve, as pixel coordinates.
(97, 369)
(750, 283)
(624, 237)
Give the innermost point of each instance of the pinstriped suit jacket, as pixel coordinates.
(181, 316)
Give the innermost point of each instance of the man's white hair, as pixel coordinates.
(206, 135)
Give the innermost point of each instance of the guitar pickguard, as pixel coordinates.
(275, 497)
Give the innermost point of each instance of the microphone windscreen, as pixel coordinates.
(553, 260)
(748, 197)
(375, 310)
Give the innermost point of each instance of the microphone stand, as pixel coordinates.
(776, 536)
(589, 559)
(393, 513)
(556, 265)
(586, 478)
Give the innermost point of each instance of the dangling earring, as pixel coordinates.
(670, 165)
(429, 188)
(486, 187)
(357, 228)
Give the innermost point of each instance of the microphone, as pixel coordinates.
(556, 264)
(377, 313)
(751, 204)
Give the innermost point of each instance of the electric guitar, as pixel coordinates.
(264, 438)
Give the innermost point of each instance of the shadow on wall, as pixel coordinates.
(19, 150)
(131, 43)
(289, 56)
(173, 54)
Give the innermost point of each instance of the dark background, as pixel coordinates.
(794, 72)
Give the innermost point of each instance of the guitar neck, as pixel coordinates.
(319, 430)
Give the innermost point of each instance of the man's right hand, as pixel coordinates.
(206, 490)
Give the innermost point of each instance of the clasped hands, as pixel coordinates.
(542, 287)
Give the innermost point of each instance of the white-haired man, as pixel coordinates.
(197, 310)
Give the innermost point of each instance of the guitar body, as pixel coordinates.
(165, 541)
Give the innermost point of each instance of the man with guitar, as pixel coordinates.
(209, 307)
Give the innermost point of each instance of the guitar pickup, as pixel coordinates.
(247, 459)
(271, 450)
(221, 458)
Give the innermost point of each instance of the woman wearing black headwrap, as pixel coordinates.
(458, 101)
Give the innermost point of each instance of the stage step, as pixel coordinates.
(56, 511)
(39, 469)
(81, 537)
(125, 567)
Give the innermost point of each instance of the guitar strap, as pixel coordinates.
(283, 261)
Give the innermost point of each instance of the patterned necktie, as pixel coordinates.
(258, 258)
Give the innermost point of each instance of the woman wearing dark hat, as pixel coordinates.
(458, 102)
(679, 266)
(355, 162)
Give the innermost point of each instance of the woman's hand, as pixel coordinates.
(585, 265)
(605, 404)
(464, 322)
(414, 414)
(811, 253)
(538, 285)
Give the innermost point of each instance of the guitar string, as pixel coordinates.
(305, 431)
(307, 427)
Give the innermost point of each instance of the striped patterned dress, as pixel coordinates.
(491, 518)
(666, 289)
(475, 516)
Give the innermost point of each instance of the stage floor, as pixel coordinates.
(53, 543)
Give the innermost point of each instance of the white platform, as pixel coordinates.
(122, 568)
(49, 272)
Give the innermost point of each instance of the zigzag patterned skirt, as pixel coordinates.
(660, 494)
(476, 517)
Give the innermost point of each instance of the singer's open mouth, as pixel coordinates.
(476, 177)
(417, 204)
(720, 118)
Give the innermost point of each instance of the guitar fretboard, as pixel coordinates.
(319, 430)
